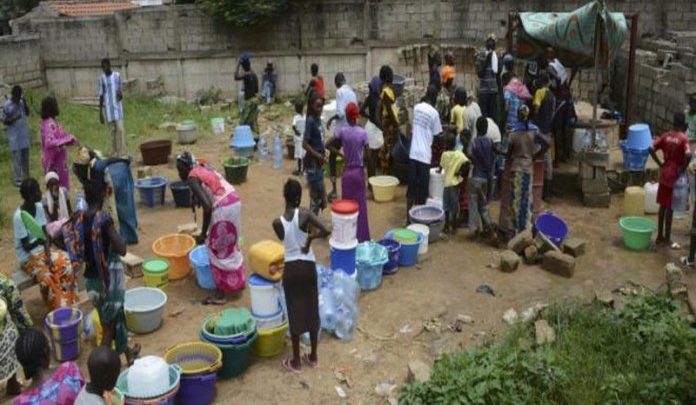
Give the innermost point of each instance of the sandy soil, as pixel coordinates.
(443, 283)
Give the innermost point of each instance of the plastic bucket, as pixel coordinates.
(201, 266)
(424, 230)
(143, 307)
(370, 259)
(408, 254)
(343, 258)
(552, 226)
(264, 296)
(236, 169)
(634, 159)
(637, 232)
(156, 274)
(639, 137)
(270, 342)
(218, 125)
(393, 248)
(269, 321)
(152, 190)
(436, 186)
(175, 248)
(235, 358)
(426, 214)
(383, 187)
(344, 221)
(196, 389)
(181, 193)
(64, 326)
(187, 132)
(242, 137)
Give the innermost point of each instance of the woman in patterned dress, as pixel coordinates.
(14, 320)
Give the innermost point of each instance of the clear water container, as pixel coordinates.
(263, 149)
(680, 196)
(277, 152)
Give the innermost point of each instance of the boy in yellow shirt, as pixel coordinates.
(456, 167)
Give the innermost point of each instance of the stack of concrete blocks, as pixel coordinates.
(592, 179)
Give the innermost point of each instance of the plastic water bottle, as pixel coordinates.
(680, 196)
(263, 149)
(277, 152)
(240, 101)
(81, 203)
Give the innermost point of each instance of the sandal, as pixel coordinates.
(684, 260)
(287, 364)
(213, 301)
(674, 246)
(308, 361)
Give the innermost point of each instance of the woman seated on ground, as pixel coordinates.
(14, 320)
(59, 386)
(354, 141)
(56, 203)
(222, 208)
(50, 268)
(92, 242)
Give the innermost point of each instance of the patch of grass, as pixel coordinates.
(644, 353)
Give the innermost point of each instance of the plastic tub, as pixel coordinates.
(383, 187)
(651, 205)
(187, 132)
(634, 201)
(143, 307)
(64, 327)
(426, 214)
(235, 358)
(218, 125)
(175, 248)
(152, 190)
(343, 258)
(264, 296)
(344, 221)
(637, 232)
(242, 137)
(269, 321)
(156, 274)
(265, 255)
(270, 342)
(181, 193)
(236, 169)
(408, 254)
(148, 377)
(393, 248)
(196, 389)
(165, 399)
(156, 152)
(639, 137)
(201, 267)
(370, 259)
(634, 159)
(194, 357)
(436, 185)
(551, 226)
(424, 230)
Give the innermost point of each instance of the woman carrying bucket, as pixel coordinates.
(354, 141)
(222, 208)
(92, 241)
(297, 228)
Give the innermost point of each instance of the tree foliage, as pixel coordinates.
(246, 13)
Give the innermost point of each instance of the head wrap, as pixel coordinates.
(186, 158)
(51, 176)
(352, 111)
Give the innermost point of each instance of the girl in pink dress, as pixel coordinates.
(54, 155)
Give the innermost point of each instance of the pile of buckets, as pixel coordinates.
(344, 241)
(199, 363)
(233, 331)
(636, 147)
(242, 141)
(267, 260)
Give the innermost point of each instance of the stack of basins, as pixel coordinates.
(344, 241)
(233, 331)
(199, 363)
(267, 260)
(243, 141)
(636, 147)
(149, 381)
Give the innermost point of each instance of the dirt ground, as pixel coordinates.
(392, 316)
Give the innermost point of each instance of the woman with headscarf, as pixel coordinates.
(14, 320)
(50, 268)
(354, 141)
(389, 117)
(522, 149)
(56, 202)
(93, 243)
(222, 209)
(54, 139)
(114, 176)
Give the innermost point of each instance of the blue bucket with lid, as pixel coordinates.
(344, 258)
(639, 137)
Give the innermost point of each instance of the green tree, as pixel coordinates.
(246, 13)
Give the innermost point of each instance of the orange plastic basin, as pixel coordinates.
(175, 248)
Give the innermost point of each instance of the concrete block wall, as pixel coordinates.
(20, 62)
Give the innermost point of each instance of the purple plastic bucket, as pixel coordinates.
(64, 326)
(196, 389)
(552, 226)
(393, 247)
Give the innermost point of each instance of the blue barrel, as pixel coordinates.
(343, 258)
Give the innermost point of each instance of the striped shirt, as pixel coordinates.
(108, 87)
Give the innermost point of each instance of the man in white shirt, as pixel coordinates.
(471, 114)
(426, 126)
(344, 96)
(110, 108)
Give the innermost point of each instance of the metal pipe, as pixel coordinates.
(630, 80)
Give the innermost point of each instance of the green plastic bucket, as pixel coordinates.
(156, 274)
(637, 232)
(236, 169)
(235, 358)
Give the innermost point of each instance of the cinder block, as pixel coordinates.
(600, 200)
(509, 261)
(574, 246)
(559, 263)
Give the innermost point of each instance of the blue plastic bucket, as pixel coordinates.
(408, 254)
(343, 259)
(197, 389)
(639, 137)
(371, 258)
(243, 137)
(152, 190)
(201, 266)
(551, 226)
(634, 159)
(393, 248)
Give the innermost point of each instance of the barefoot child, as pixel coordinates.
(456, 167)
(676, 155)
(297, 228)
(104, 367)
(298, 127)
